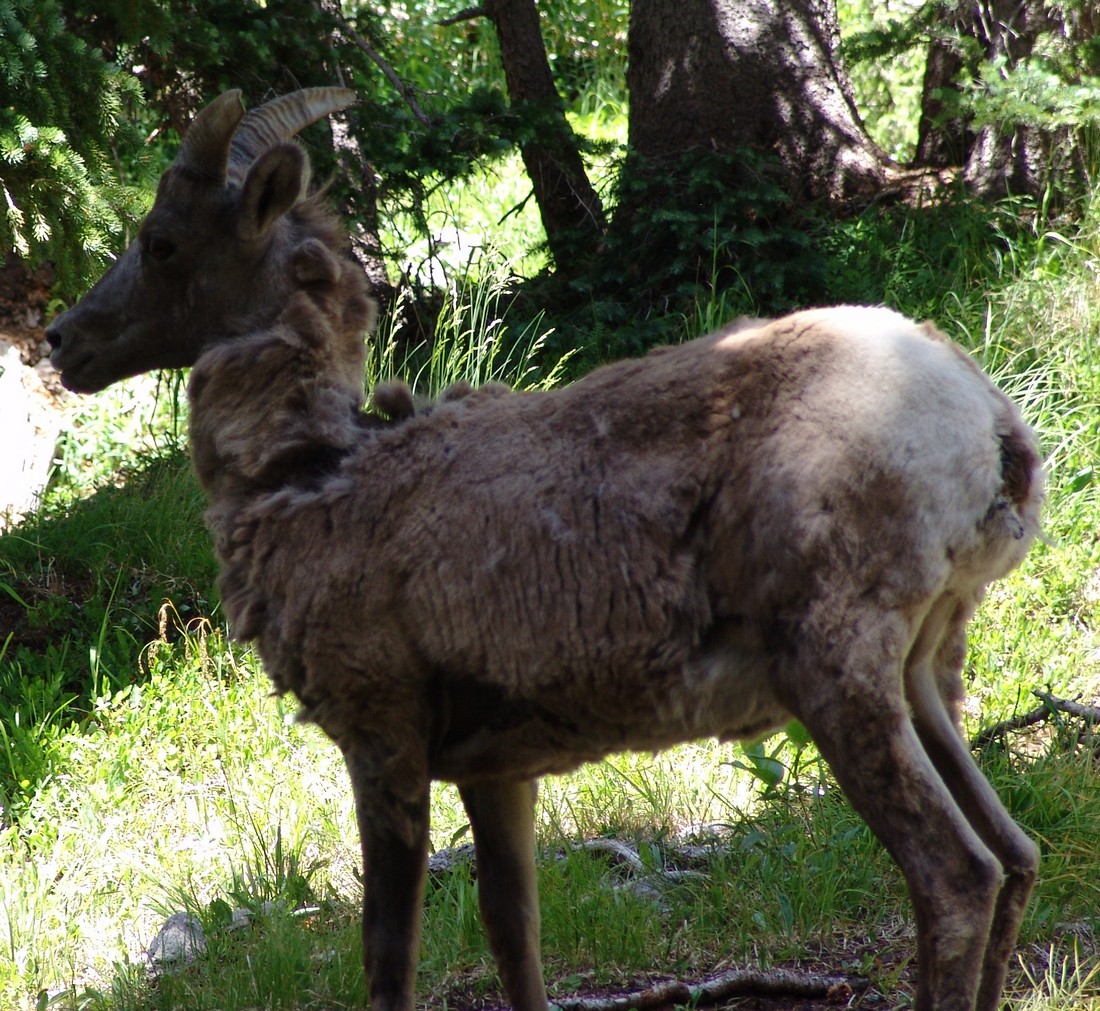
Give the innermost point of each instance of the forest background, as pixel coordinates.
(531, 196)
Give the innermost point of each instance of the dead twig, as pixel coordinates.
(734, 983)
(376, 58)
(469, 14)
(1051, 705)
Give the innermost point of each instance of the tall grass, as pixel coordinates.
(473, 341)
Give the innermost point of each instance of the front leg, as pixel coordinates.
(502, 816)
(393, 830)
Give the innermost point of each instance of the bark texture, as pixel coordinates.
(729, 74)
(571, 211)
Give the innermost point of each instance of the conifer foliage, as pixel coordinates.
(63, 116)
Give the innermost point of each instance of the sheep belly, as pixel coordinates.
(486, 711)
(486, 733)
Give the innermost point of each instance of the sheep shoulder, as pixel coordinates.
(283, 399)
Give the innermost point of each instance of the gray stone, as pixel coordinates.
(30, 424)
(177, 943)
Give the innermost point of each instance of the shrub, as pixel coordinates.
(62, 116)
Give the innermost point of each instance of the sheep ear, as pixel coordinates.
(275, 183)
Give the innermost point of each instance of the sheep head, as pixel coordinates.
(216, 255)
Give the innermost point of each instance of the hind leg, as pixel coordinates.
(855, 710)
(503, 819)
(932, 671)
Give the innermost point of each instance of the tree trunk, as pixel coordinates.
(999, 156)
(357, 188)
(572, 214)
(1005, 158)
(723, 75)
(358, 195)
(943, 138)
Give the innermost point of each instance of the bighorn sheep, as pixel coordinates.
(784, 519)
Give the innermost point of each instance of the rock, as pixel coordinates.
(181, 940)
(30, 424)
(177, 943)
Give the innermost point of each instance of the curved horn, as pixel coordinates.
(205, 147)
(280, 119)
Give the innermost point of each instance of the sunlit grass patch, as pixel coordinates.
(1059, 980)
(186, 781)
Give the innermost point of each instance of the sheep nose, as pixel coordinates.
(53, 337)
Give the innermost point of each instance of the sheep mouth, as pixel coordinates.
(71, 373)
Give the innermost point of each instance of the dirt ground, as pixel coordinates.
(871, 973)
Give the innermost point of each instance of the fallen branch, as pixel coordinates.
(1009, 726)
(775, 983)
(1090, 714)
(1051, 705)
(619, 852)
(734, 983)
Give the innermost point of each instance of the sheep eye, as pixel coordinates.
(158, 247)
